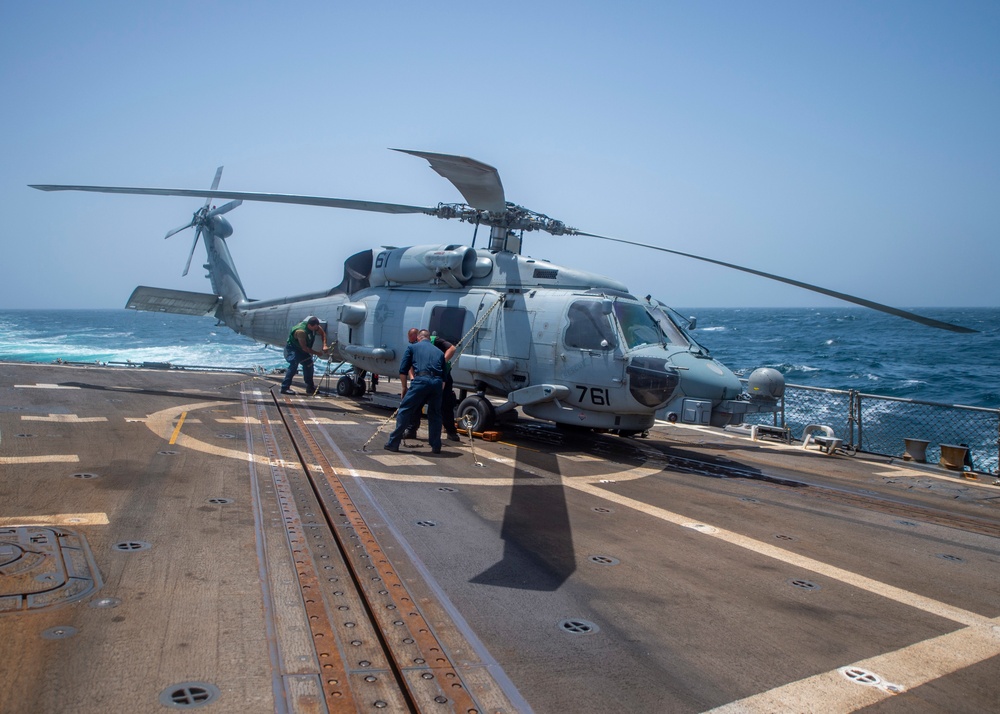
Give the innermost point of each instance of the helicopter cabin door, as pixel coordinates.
(588, 358)
(513, 330)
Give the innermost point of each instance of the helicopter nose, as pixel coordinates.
(651, 380)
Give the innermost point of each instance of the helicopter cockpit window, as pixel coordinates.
(589, 327)
(448, 322)
(675, 335)
(638, 326)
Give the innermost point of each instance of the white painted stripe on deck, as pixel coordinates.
(48, 459)
(64, 418)
(57, 519)
(906, 668)
(800, 561)
(42, 386)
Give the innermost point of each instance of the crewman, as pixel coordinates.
(427, 363)
(299, 351)
(448, 400)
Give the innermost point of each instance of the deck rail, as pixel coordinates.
(878, 424)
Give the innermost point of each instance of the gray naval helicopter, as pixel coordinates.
(563, 345)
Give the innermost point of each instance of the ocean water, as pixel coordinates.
(838, 348)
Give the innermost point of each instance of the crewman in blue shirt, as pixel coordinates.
(427, 362)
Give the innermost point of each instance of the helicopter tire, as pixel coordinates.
(477, 410)
(359, 388)
(345, 386)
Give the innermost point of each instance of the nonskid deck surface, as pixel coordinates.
(194, 540)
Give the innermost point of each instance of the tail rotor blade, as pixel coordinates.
(215, 185)
(218, 177)
(175, 231)
(225, 208)
(194, 245)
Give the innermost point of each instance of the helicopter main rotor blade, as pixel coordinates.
(251, 196)
(930, 322)
(478, 183)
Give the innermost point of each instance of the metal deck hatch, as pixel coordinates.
(44, 566)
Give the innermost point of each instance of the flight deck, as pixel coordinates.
(195, 540)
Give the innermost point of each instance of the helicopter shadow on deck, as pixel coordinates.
(538, 549)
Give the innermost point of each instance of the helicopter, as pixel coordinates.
(563, 345)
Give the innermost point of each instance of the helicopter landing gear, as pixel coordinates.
(479, 411)
(350, 386)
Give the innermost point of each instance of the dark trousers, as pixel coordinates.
(448, 403)
(422, 390)
(306, 360)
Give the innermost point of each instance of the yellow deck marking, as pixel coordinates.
(64, 418)
(58, 519)
(50, 459)
(173, 437)
(906, 668)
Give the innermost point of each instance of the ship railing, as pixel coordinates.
(879, 424)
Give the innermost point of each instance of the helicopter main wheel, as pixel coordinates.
(478, 411)
(359, 388)
(345, 386)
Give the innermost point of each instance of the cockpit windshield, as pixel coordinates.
(638, 326)
(675, 334)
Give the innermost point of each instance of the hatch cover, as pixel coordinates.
(43, 566)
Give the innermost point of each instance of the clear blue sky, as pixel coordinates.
(855, 145)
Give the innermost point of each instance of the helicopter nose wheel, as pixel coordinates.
(478, 411)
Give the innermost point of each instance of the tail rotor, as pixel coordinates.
(202, 218)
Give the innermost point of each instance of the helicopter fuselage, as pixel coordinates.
(564, 345)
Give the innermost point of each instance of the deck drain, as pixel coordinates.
(426, 524)
(870, 679)
(25, 436)
(84, 476)
(782, 536)
(907, 523)
(952, 558)
(129, 546)
(59, 633)
(604, 560)
(804, 584)
(747, 499)
(188, 695)
(579, 627)
(167, 453)
(601, 509)
(447, 489)
(220, 501)
(226, 436)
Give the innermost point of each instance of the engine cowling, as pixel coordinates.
(454, 264)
